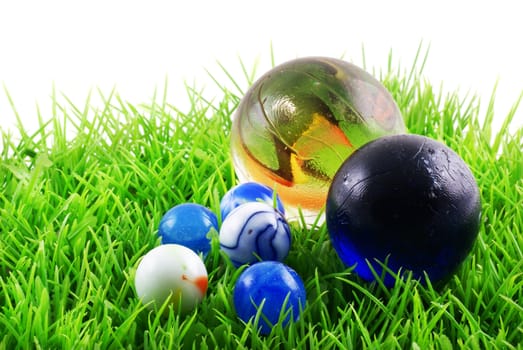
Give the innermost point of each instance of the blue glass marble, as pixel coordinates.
(255, 231)
(406, 201)
(248, 192)
(273, 284)
(188, 224)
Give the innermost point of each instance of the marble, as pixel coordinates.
(249, 192)
(190, 225)
(275, 288)
(405, 201)
(298, 122)
(171, 273)
(255, 231)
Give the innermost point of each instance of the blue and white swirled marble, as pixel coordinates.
(255, 231)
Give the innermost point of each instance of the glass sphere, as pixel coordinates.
(298, 122)
(406, 201)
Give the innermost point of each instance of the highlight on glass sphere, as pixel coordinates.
(301, 120)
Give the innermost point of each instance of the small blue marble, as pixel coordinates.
(255, 231)
(273, 284)
(248, 192)
(189, 224)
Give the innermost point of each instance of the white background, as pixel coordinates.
(133, 46)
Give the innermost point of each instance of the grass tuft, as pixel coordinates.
(76, 215)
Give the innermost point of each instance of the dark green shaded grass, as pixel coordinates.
(78, 213)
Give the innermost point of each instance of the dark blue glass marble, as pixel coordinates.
(273, 284)
(406, 201)
(248, 192)
(188, 224)
(254, 231)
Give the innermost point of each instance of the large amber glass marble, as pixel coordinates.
(297, 124)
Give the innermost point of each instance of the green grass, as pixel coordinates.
(76, 214)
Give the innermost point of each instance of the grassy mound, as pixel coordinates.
(76, 215)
